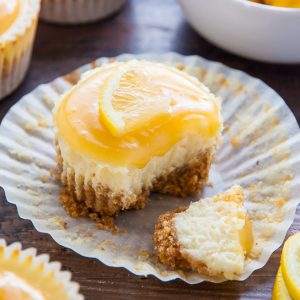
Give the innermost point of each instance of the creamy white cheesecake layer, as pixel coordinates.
(208, 232)
(28, 12)
(133, 180)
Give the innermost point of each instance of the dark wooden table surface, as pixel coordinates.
(143, 26)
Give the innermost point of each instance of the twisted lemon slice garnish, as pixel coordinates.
(128, 100)
(9, 10)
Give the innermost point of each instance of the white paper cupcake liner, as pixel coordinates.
(260, 151)
(64, 277)
(78, 11)
(12, 76)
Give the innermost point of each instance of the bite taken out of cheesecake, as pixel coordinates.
(212, 236)
(127, 129)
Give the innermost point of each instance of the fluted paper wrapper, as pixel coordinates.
(260, 151)
(30, 254)
(78, 11)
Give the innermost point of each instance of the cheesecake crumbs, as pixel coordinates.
(54, 174)
(59, 222)
(32, 192)
(210, 184)
(72, 78)
(106, 223)
(280, 201)
(89, 234)
(20, 156)
(49, 101)
(94, 64)
(43, 178)
(105, 243)
(180, 66)
(235, 142)
(42, 123)
(224, 82)
(144, 254)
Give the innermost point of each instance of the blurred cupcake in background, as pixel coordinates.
(78, 11)
(26, 276)
(18, 20)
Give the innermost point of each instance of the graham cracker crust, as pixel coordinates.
(77, 209)
(168, 248)
(187, 180)
(85, 199)
(83, 196)
(166, 243)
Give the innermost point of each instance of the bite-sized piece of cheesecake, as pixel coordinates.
(212, 236)
(130, 128)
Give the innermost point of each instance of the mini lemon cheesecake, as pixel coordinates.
(212, 236)
(25, 276)
(18, 19)
(280, 3)
(72, 12)
(127, 129)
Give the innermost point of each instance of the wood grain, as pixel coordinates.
(143, 26)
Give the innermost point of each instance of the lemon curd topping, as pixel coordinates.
(246, 236)
(126, 113)
(21, 280)
(9, 11)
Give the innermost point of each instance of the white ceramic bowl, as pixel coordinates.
(252, 30)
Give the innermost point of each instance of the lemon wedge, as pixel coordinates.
(280, 291)
(290, 265)
(129, 101)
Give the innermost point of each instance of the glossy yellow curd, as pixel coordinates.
(280, 3)
(9, 11)
(162, 106)
(20, 280)
(246, 236)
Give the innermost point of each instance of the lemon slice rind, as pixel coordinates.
(280, 291)
(113, 120)
(290, 265)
